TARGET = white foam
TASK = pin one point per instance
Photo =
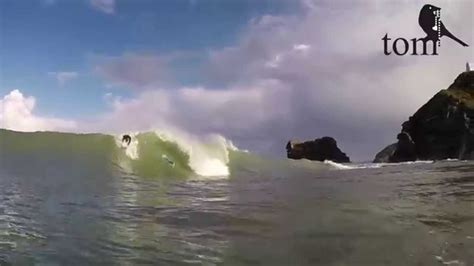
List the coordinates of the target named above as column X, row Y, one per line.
column 451, row 262
column 354, row 166
column 370, row 165
column 338, row 165
column 412, row 162
column 208, row 156
column 378, row 165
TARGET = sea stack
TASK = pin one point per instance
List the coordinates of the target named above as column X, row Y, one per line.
column 321, row 149
column 443, row 128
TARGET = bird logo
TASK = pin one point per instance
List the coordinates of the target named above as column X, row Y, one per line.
column 430, row 22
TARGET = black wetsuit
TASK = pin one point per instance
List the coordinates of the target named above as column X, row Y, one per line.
column 127, row 139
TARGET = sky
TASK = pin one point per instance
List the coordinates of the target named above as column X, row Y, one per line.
column 259, row 72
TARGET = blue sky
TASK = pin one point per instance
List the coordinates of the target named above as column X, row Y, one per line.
column 39, row 37
column 259, row 72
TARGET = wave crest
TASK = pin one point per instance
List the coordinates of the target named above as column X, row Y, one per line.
column 206, row 156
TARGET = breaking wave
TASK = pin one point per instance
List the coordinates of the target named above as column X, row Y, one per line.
column 175, row 152
column 149, row 154
column 163, row 153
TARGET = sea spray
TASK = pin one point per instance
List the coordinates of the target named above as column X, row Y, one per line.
column 55, row 152
column 205, row 156
column 208, row 156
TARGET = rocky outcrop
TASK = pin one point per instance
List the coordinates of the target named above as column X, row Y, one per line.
column 321, row 149
column 442, row 128
column 384, row 155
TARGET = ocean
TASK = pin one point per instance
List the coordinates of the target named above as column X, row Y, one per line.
column 173, row 199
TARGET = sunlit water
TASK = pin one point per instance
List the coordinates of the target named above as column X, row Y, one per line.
column 295, row 214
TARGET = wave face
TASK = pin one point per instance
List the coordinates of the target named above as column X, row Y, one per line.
column 154, row 154
column 64, row 193
column 150, row 154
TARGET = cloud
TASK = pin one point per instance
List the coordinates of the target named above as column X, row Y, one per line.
column 340, row 82
column 195, row 109
column 17, row 114
column 136, row 71
column 63, row 77
column 106, row 6
column 321, row 72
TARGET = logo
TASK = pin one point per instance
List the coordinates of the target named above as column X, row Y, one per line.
column 431, row 23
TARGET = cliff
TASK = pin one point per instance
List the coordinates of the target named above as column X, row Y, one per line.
column 442, row 128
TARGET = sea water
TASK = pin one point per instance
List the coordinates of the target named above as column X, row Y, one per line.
column 70, row 199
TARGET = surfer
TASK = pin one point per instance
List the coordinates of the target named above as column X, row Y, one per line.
column 168, row 160
column 126, row 139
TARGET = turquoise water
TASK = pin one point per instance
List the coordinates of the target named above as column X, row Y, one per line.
column 83, row 200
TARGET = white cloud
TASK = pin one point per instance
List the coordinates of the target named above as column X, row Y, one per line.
column 301, row 47
column 63, row 77
column 200, row 111
column 341, row 84
column 274, row 62
column 318, row 73
column 106, row 6
column 16, row 113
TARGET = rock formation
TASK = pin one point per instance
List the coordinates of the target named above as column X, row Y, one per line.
column 442, row 128
column 384, row 155
column 321, row 149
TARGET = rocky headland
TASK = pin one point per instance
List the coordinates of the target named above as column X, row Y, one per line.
column 443, row 128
